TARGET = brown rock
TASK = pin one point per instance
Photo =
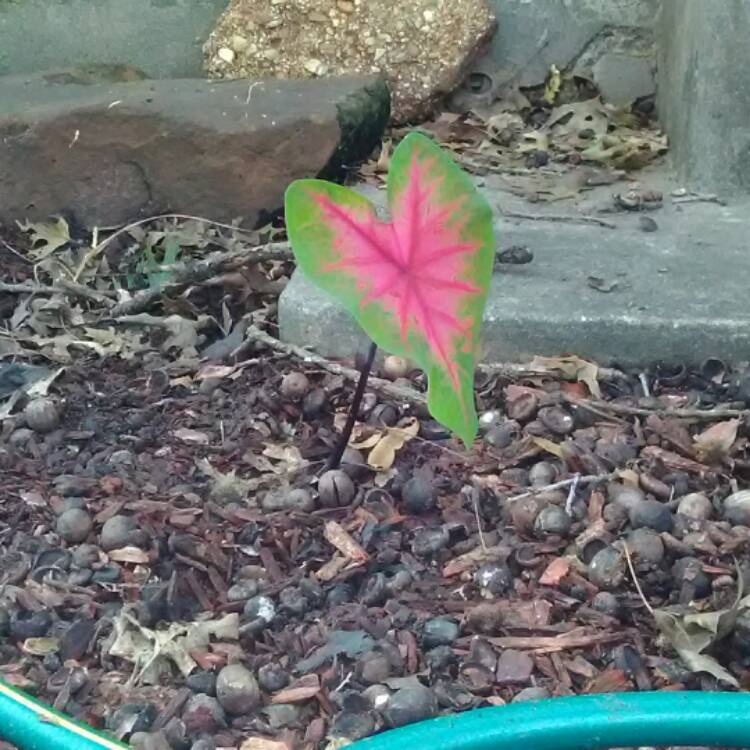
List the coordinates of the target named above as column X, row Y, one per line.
column 423, row 47
column 110, row 153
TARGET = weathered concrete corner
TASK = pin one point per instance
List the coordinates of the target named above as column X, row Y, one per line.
column 704, row 98
column 223, row 150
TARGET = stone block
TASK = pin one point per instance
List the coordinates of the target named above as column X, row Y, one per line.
column 222, row 150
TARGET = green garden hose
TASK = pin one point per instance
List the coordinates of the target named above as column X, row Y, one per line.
column 30, row 725
column 583, row 723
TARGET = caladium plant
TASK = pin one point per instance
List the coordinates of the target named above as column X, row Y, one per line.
column 418, row 284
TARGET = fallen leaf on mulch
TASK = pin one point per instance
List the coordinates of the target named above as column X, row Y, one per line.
column 715, row 443
column 46, row 237
column 384, row 444
column 343, row 541
column 152, row 651
column 572, row 368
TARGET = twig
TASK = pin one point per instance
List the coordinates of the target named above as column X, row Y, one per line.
column 703, row 415
column 185, row 275
column 699, row 198
column 572, row 494
column 98, row 248
column 513, row 371
column 644, row 384
column 391, row 390
column 475, row 503
column 635, row 578
column 559, row 218
column 15, row 252
column 575, row 481
column 62, row 287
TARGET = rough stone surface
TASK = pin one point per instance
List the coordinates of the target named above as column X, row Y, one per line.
column 163, row 37
column 679, row 296
column 534, row 35
column 424, row 49
column 704, row 99
column 111, row 153
column 622, row 78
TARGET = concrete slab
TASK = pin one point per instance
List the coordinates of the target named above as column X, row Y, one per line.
column 534, row 34
column 680, row 293
column 704, row 99
column 162, row 37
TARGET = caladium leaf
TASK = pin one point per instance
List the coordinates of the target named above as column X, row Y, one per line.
column 418, row 284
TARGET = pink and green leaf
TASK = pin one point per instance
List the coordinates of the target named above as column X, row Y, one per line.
column 417, row 285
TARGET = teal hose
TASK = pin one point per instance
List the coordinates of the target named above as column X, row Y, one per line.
column 31, row 725
column 583, row 723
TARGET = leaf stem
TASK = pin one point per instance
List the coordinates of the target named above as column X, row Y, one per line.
column 335, row 459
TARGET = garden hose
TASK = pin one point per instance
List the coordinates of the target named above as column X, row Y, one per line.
column 583, row 722
column 31, row 725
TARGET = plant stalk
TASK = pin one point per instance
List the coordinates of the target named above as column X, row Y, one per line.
column 334, row 460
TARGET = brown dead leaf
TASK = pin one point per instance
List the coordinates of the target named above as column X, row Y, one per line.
column 715, row 443
column 344, row 542
column 391, row 440
column 555, row 572
column 475, row 557
column 303, row 689
column 573, row 368
column 46, row 237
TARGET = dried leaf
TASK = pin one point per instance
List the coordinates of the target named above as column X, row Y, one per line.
column 556, row 449
column 191, row 436
column 715, row 443
column 572, row 368
column 691, row 633
column 475, row 557
column 46, row 237
column 383, row 455
column 152, row 651
column 343, row 541
column 552, row 84
column 40, row 646
column 225, row 488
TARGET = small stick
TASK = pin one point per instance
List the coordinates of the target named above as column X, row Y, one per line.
column 572, row 494
column 514, row 371
column 704, row 415
column 204, row 269
column 644, row 384
column 396, row 392
column 334, row 460
column 475, row 502
column 62, row 287
column 572, row 482
column 559, row 218
column 635, row 578
column 98, row 248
